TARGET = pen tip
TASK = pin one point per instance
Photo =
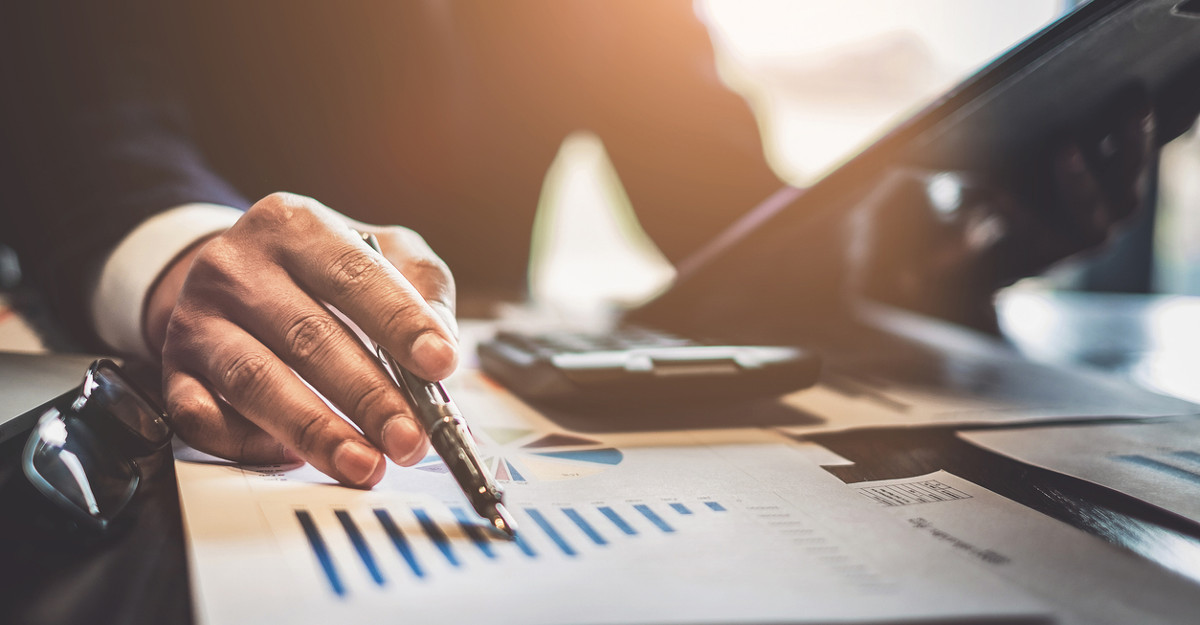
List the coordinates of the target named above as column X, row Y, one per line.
column 504, row 521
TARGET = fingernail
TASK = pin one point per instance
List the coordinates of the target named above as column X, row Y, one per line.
column 434, row 355
column 401, row 440
column 356, row 462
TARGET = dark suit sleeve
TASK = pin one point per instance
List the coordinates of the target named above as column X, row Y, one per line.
column 95, row 141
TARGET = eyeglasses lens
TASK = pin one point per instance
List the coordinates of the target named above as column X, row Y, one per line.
column 80, row 473
column 126, row 405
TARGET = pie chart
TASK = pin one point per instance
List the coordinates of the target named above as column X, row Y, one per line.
column 523, row 455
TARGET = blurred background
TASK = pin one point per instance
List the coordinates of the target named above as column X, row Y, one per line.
column 825, row 79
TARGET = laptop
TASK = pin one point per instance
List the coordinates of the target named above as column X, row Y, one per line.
column 776, row 277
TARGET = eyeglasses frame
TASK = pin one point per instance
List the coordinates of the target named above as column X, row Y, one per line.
column 76, row 408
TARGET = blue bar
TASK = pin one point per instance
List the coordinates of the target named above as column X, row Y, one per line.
column 398, row 539
column 1171, row 470
column 360, row 545
column 585, row 526
column 617, row 520
column 680, row 508
column 602, row 456
column 1190, row 456
column 550, row 531
column 473, row 532
column 322, row 552
column 524, row 546
column 653, row 517
column 436, row 535
column 712, row 505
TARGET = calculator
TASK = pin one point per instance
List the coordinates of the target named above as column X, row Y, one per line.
column 635, row 365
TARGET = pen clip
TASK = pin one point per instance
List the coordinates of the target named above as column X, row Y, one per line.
column 389, row 365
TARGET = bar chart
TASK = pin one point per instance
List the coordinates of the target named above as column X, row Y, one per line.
column 432, row 541
column 614, row 527
column 673, row 533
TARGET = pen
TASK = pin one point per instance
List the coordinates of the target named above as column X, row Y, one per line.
column 449, row 435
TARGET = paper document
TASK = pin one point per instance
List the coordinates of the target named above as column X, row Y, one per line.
column 1155, row 461
column 679, row 527
column 1086, row 579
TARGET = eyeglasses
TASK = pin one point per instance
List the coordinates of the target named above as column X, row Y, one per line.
column 83, row 457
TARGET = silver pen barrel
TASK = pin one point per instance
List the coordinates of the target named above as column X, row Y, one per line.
column 449, row 435
column 453, row 441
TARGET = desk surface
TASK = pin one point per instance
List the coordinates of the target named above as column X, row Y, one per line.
column 139, row 574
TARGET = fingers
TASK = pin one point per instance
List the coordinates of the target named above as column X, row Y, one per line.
column 424, row 270
column 328, row 260
column 384, row 303
column 250, row 331
column 212, row 427
column 326, row 353
column 267, row 393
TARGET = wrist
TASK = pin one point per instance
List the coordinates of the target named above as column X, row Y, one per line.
column 120, row 295
column 164, row 293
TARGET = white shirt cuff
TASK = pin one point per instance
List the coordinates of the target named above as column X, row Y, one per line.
column 135, row 264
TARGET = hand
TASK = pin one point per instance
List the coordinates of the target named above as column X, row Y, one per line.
column 240, row 312
column 941, row 243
